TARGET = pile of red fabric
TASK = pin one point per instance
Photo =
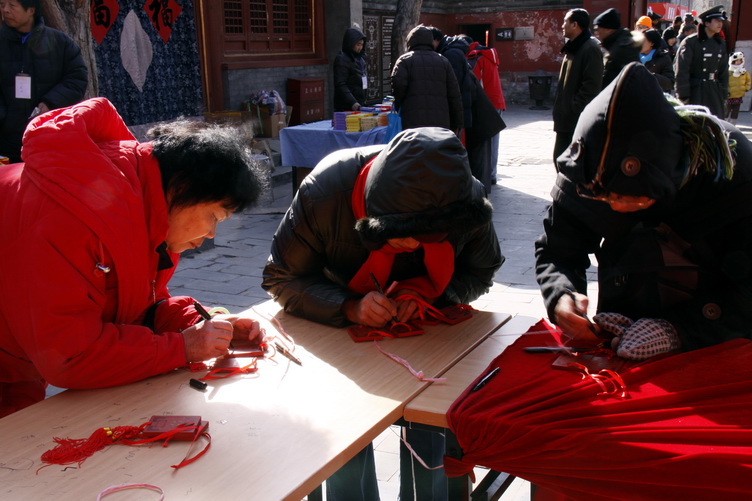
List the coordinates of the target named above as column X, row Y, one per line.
column 683, row 430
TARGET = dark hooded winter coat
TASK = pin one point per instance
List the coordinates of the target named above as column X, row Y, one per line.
column 621, row 49
column 701, row 69
column 456, row 49
column 419, row 184
column 58, row 78
column 425, row 87
column 662, row 67
column 349, row 70
column 686, row 259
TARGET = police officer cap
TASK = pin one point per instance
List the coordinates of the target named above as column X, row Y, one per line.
column 609, row 19
column 717, row 12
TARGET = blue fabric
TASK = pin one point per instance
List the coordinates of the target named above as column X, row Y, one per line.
column 644, row 58
column 305, row 145
column 173, row 82
column 394, row 127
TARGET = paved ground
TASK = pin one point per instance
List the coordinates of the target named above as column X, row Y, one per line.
column 230, row 273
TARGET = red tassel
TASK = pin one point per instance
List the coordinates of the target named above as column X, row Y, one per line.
column 69, row 451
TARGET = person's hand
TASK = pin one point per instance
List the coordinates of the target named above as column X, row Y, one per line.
column 646, row 338
column 207, row 339
column 571, row 317
column 356, row 107
column 43, row 108
column 244, row 328
column 408, row 309
column 373, row 310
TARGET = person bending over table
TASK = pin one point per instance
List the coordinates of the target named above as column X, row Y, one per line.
column 409, row 213
column 661, row 196
column 93, row 224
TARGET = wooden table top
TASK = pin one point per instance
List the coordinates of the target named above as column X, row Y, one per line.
column 276, row 434
column 431, row 405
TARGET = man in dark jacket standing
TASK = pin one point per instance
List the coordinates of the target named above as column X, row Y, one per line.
column 425, row 87
column 580, row 76
column 409, row 214
column 621, row 47
column 41, row 69
column 701, row 64
column 350, row 79
column 661, row 197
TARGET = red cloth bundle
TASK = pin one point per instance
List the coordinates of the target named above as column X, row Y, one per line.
column 683, row 431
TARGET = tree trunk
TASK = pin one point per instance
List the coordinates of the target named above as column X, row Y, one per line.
column 408, row 14
column 72, row 18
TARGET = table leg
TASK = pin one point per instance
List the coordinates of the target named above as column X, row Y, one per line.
column 316, row 495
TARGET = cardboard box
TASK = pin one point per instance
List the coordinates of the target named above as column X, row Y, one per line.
column 266, row 125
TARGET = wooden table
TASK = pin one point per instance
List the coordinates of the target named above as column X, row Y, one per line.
column 429, row 408
column 276, row 435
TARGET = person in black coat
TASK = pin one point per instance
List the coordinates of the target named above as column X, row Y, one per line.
column 409, row 212
column 621, row 46
column 661, row 196
column 425, row 88
column 657, row 60
column 46, row 64
column 350, row 79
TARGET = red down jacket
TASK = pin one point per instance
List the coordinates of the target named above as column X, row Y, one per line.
column 88, row 196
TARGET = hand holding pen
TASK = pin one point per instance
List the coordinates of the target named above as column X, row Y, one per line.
column 380, row 290
column 571, row 316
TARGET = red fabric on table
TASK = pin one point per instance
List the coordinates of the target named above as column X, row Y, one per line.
column 684, row 431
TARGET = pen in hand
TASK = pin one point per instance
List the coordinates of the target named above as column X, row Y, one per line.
column 581, row 313
column 201, row 311
column 381, row 291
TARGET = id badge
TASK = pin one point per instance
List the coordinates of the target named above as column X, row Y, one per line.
column 23, row 86
column 365, row 82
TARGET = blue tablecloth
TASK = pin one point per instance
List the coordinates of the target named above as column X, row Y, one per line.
column 305, row 145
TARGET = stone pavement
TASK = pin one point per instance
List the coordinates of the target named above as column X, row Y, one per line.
column 230, row 273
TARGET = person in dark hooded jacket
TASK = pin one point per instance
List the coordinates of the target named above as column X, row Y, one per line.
column 661, row 197
column 49, row 63
column 657, row 60
column 621, row 46
column 425, row 88
column 350, row 79
column 410, row 213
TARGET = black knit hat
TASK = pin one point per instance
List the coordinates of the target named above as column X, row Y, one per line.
column 653, row 37
column 627, row 140
column 608, row 19
column 421, row 184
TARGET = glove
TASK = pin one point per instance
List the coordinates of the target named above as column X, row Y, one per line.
column 646, row 338
column 613, row 323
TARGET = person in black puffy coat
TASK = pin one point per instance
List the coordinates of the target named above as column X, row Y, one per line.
column 350, row 79
column 50, row 60
column 425, row 88
column 657, row 60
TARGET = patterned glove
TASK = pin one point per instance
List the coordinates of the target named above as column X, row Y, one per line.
column 647, row 338
column 614, row 323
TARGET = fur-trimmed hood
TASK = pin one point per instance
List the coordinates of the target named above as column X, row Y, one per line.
column 421, row 184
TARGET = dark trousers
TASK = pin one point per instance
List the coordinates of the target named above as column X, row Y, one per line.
column 356, row 480
column 563, row 140
column 430, row 485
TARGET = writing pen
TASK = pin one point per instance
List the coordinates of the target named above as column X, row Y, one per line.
column 381, row 291
column 205, row 315
column 480, row 384
column 286, row 353
column 201, row 311
column 581, row 313
column 555, row 349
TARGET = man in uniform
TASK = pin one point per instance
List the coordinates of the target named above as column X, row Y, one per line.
column 701, row 64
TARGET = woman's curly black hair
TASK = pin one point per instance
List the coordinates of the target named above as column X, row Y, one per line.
column 204, row 163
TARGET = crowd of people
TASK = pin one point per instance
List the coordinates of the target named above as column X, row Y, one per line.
column 644, row 182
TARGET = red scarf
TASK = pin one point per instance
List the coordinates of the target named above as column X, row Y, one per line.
column 438, row 258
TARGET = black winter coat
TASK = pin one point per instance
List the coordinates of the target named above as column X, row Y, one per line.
column 316, row 250
column 701, row 69
column 349, row 70
column 662, row 67
column 621, row 49
column 704, row 289
column 58, row 75
column 579, row 82
column 455, row 49
column 425, row 88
